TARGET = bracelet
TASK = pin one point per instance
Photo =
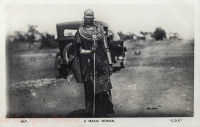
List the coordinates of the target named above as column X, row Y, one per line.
column 85, row 51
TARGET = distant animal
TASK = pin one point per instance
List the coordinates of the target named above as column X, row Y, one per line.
column 137, row 52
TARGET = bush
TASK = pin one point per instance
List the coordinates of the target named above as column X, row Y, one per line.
column 19, row 38
column 159, row 34
column 48, row 41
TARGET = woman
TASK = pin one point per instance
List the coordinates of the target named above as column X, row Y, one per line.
column 83, row 49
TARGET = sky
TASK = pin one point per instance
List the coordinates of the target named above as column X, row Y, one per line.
column 128, row 18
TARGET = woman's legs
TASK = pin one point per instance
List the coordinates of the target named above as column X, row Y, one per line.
column 89, row 93
column 103, row 102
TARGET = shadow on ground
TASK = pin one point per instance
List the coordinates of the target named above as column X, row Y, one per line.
column 116, row 69
column 80, row 113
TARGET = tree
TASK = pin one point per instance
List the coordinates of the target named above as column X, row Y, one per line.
column 19, row 36
column 159, row 34
column 31, row 33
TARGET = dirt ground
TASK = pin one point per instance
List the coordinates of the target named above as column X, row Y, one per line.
column 157, row 83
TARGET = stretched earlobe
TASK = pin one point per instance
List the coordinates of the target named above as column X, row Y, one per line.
column 83, row 20
column 95, row 20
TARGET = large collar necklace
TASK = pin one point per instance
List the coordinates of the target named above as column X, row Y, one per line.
column 87, row 33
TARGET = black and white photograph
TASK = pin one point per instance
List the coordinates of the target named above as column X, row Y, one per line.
column 100, row 63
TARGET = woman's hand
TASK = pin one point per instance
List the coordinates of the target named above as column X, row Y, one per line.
column 111, row 69
column 93, row 49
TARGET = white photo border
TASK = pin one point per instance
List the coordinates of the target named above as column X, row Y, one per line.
column 137, row 122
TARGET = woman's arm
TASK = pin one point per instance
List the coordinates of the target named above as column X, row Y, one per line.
column 79, row 47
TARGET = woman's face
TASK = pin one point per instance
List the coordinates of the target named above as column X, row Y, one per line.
column 88, row 17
